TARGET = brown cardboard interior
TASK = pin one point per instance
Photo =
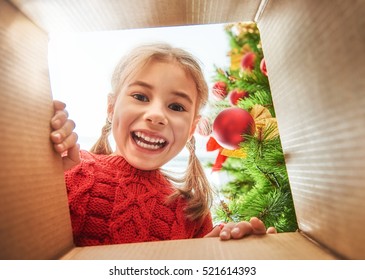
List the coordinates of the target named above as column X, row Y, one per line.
column 96, row 15
column 34, row 220
column 284, row 246
column 313, row 49
column 315, row 59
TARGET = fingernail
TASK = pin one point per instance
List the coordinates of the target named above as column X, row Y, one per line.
column 56, row 136
column 235, row 231
column 224, row 235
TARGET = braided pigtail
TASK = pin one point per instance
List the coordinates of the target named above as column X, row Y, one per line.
column 196, row 187
column 102, row 146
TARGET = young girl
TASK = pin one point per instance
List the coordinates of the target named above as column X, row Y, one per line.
column 122, row 196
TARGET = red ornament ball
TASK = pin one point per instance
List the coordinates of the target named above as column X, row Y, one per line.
column 263, row 66
column 236, row 95
column 230, row 125
column 248, row 61
column 220, row 90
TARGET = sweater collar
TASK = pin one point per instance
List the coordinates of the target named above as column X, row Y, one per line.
column 120, row 162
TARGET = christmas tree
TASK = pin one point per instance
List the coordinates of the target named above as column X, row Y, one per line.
column 242, row 127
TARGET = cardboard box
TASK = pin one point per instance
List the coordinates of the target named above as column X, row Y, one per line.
column 315, row 58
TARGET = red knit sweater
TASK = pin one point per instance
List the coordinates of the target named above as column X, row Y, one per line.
column 112, row 202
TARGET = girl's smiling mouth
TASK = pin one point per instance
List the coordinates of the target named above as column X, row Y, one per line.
column 148, row 141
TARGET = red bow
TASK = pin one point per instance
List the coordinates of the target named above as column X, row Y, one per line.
column 213, row 145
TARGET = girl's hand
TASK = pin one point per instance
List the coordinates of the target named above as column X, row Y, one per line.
column 240, row 230
column 63, row 136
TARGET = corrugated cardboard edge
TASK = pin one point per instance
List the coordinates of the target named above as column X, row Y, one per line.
column 260, row 10
column 284, row 246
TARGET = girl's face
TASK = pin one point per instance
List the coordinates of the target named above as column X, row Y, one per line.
column 154, row 115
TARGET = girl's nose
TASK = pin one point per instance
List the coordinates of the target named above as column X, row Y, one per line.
column 156, row 116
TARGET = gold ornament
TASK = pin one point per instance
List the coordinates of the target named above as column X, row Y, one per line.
column 266, row 125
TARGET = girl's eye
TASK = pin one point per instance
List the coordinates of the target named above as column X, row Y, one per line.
column 177, row 107
column 140, row 97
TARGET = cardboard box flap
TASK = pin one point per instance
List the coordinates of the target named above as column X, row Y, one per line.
column 315, row 58
column 96, row 15
column 34, row 219
column 285, row 246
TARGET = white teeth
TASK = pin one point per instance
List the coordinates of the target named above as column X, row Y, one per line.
column 147, row 146
column 153, row 143
column 149, row 139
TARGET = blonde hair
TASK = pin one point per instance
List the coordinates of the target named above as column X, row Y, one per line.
column 195, row 188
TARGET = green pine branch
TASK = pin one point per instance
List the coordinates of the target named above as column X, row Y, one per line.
column 258, row 184
column 260, row 97
column 269, row 206
column 265, row 160
column 260, row 188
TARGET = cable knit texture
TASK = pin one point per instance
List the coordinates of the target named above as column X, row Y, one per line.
column 111, row 202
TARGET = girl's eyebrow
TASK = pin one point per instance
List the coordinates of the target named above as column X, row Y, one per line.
column 177, row 93
column 140, row 83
